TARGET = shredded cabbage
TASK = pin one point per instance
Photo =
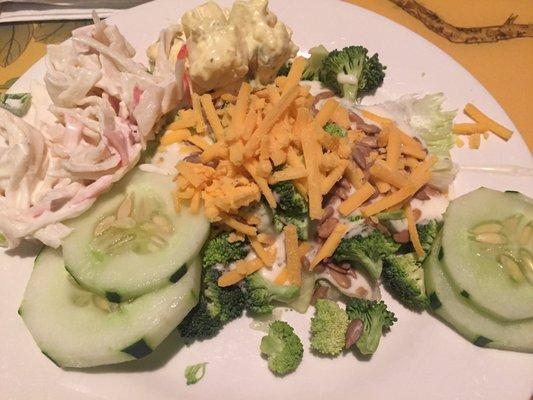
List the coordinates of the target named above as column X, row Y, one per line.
column 425, row 118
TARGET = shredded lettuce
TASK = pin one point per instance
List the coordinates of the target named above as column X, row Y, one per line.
column 425, row 117
column 16, row 103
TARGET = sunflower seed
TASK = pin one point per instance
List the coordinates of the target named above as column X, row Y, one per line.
column 489, row 227
column 353, row 333
column 341, row 279
column 525, row 235
column 124, row 210
column 512, row 268
column 103, row 225
column 491, row 238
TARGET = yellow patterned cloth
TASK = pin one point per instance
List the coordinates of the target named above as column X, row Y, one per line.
column 504, row 68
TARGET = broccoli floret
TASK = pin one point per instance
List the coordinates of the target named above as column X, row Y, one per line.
column 367, row 251
column 375, row 318
column 314, row 63
column 403, row 276
column 335, row 130
column 261, row 294
column 199, row 323
column 290, row 201
column 217, row 305
column 292, row 209
column 301, row 223
column 328, row 327
column 282, row 347
column 225, row 302
column 427, row 234
column 220, row 251
column 351, row 73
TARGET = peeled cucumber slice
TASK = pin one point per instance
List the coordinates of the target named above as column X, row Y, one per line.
column 76, row 328
column 488, row 251
column 456, row 310
column 132, row 241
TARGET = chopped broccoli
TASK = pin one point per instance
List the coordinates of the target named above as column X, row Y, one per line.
column 261, row 294
column 220, row 251
column 217, row 305
column 194, row 373
column 427, row 233
column 314, row 63
column 335, row 130
column 290, row 200
column 16, row 103
column 292, row 209
column 403, row 276
column 282, row 347
column 391, row 215
column 367, row 251
column 328, row 327
column 351, row 73
column 301, row 223
column 375, row 318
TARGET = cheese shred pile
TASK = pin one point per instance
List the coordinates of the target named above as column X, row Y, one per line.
column 241, row 144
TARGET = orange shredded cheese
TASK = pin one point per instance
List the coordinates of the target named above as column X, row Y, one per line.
column 287, row 174
column 468, row 128
column 175, row 136
column 383, row 172
column 312, row 152
column 239, row 226
column 473, row 112
column 294, row 266
column 282, row 277
column 261, row 252
column 474, row 141
column 270, row 119
column 353, row 202
column 304, row 248
column 326, row 112
column 331, row 243
column 199, row 141
column 197, row 109
column 229, row 278
column 394, row 149
column 399, row 196
column 239, row 112
column 413, row 232
column 294, row 75
column 211, row 115
column 376, row 118
column 330, row 180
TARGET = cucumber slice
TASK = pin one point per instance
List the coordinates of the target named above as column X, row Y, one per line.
column 487, row 243
column 132, row 241
column 457, row 311
column 76, row 328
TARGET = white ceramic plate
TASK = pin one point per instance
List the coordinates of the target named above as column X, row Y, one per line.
column 420, row 358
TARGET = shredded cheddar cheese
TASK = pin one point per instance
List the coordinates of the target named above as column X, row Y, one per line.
column 355, row 200
column 259, row 138
column 331, row 243
column 413, row 232
column 473, row 112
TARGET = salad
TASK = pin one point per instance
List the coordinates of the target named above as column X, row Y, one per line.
column 234, row 175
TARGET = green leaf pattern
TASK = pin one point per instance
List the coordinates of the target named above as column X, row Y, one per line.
column 53, row 32
column 14, row 39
